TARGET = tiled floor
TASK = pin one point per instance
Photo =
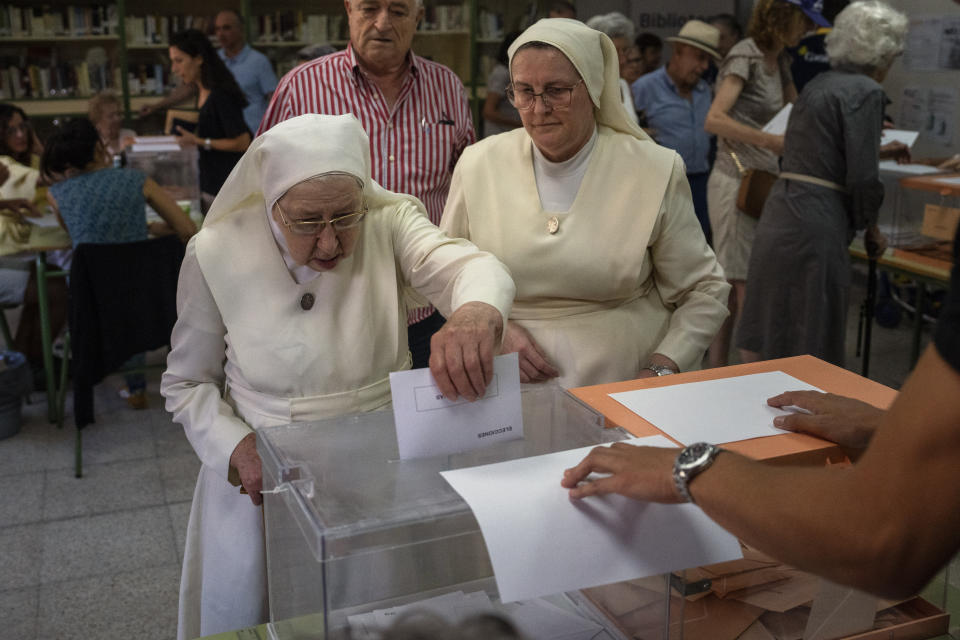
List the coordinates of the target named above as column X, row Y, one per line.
column 96, row 557
column 99, row 557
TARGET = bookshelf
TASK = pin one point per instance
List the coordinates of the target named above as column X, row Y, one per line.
column 55, row 56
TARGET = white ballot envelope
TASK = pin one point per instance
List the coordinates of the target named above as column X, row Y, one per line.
column 898, row 135
column 778, row 123
column 430, row 425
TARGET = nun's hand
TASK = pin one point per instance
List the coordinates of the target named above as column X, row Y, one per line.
column 461, row 353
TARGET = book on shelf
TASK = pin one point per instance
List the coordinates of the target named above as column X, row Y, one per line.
column 19, row 21
column 447, row 17
column 154, row 29
column 295, row 26
column 61, row 80
column 489, row 25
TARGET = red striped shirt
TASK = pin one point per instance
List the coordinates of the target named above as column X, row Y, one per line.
column 413, row 147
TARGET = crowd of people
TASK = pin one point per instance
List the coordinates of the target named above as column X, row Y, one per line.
column 355, row 226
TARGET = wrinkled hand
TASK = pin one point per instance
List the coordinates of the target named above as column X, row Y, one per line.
column 895, row 150
column 875, row 242
column 246, row 461
column 186, row 138
column 461, row 353
column 848, row 422
column 950, row 164
column 641, row 473
column 534, row 366
column 23, row 207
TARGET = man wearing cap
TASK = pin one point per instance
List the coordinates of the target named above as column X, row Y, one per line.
column 676, row 100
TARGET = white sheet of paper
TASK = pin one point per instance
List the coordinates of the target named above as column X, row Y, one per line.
column 541, row 619
column 540, row 542
column 430, row 425
column 912, row 169
column 953, row 180
column 47, row 220
column 716, row 411
column 898, row 135
column 778, row 123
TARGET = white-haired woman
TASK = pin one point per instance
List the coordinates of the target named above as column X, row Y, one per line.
column 621, row 31
column 799, row 270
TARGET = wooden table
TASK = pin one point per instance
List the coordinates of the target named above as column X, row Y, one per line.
column 923, row 270
column 788, row 448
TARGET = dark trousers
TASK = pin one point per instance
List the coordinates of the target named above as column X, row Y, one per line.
column 698, row 187
column 419, row 334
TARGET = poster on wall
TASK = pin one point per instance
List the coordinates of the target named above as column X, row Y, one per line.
column 931, row 111
column 933, row 43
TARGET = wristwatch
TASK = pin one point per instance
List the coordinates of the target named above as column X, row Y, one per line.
column 660, row 369
column 206, row 144
column 691, row 461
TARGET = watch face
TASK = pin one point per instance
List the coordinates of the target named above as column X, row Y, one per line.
column 693, row 454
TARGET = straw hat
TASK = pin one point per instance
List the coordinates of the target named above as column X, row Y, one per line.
column 701, row 35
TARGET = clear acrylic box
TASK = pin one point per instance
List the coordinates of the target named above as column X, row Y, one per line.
column 351, row 529
column 173, row 168
column 919, row 213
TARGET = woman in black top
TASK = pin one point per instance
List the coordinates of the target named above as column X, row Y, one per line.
column 221, row 134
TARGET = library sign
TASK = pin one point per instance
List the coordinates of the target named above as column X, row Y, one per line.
column 666, row 17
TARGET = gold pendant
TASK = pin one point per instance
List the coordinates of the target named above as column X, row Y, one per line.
column 553, row 224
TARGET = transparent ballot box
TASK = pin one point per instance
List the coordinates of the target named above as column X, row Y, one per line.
column 174, row 169
column 920, row 212
column 352, row 532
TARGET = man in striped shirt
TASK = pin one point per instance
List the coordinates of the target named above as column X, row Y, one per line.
column 414, row 110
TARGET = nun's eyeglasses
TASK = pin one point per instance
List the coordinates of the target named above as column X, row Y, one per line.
column 556, row 98
column 340, row 222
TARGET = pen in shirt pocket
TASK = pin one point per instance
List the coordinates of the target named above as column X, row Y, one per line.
column 444, row 120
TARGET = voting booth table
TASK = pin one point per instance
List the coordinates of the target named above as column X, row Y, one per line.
column 355, row 536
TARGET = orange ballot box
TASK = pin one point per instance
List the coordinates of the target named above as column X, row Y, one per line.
column 793, row 448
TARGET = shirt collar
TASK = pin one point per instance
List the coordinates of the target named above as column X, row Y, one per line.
column 244, row 51
column 412, row 62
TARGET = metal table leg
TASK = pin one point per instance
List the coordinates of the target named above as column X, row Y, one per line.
column 45, row 337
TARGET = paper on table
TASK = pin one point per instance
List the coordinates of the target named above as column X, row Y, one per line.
column 717, row 411
column 48, row 220
column 898, row 135
column 155, row 148
column 540, row 542
column 778, row 123
column 430, row 425
column 913, row 169
column 953, row 180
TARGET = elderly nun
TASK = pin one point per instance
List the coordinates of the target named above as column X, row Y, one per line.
column 798, row 287
column 595, row 221
column 292, row 307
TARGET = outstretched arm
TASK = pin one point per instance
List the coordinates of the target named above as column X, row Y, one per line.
column 886, row 525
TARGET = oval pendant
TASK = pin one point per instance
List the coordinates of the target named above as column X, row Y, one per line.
column 306, row 302
column 553, row 224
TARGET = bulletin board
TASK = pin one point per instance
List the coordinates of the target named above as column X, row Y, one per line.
column 924, row 83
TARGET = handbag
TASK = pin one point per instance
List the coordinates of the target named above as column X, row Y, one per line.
column 755, row 185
